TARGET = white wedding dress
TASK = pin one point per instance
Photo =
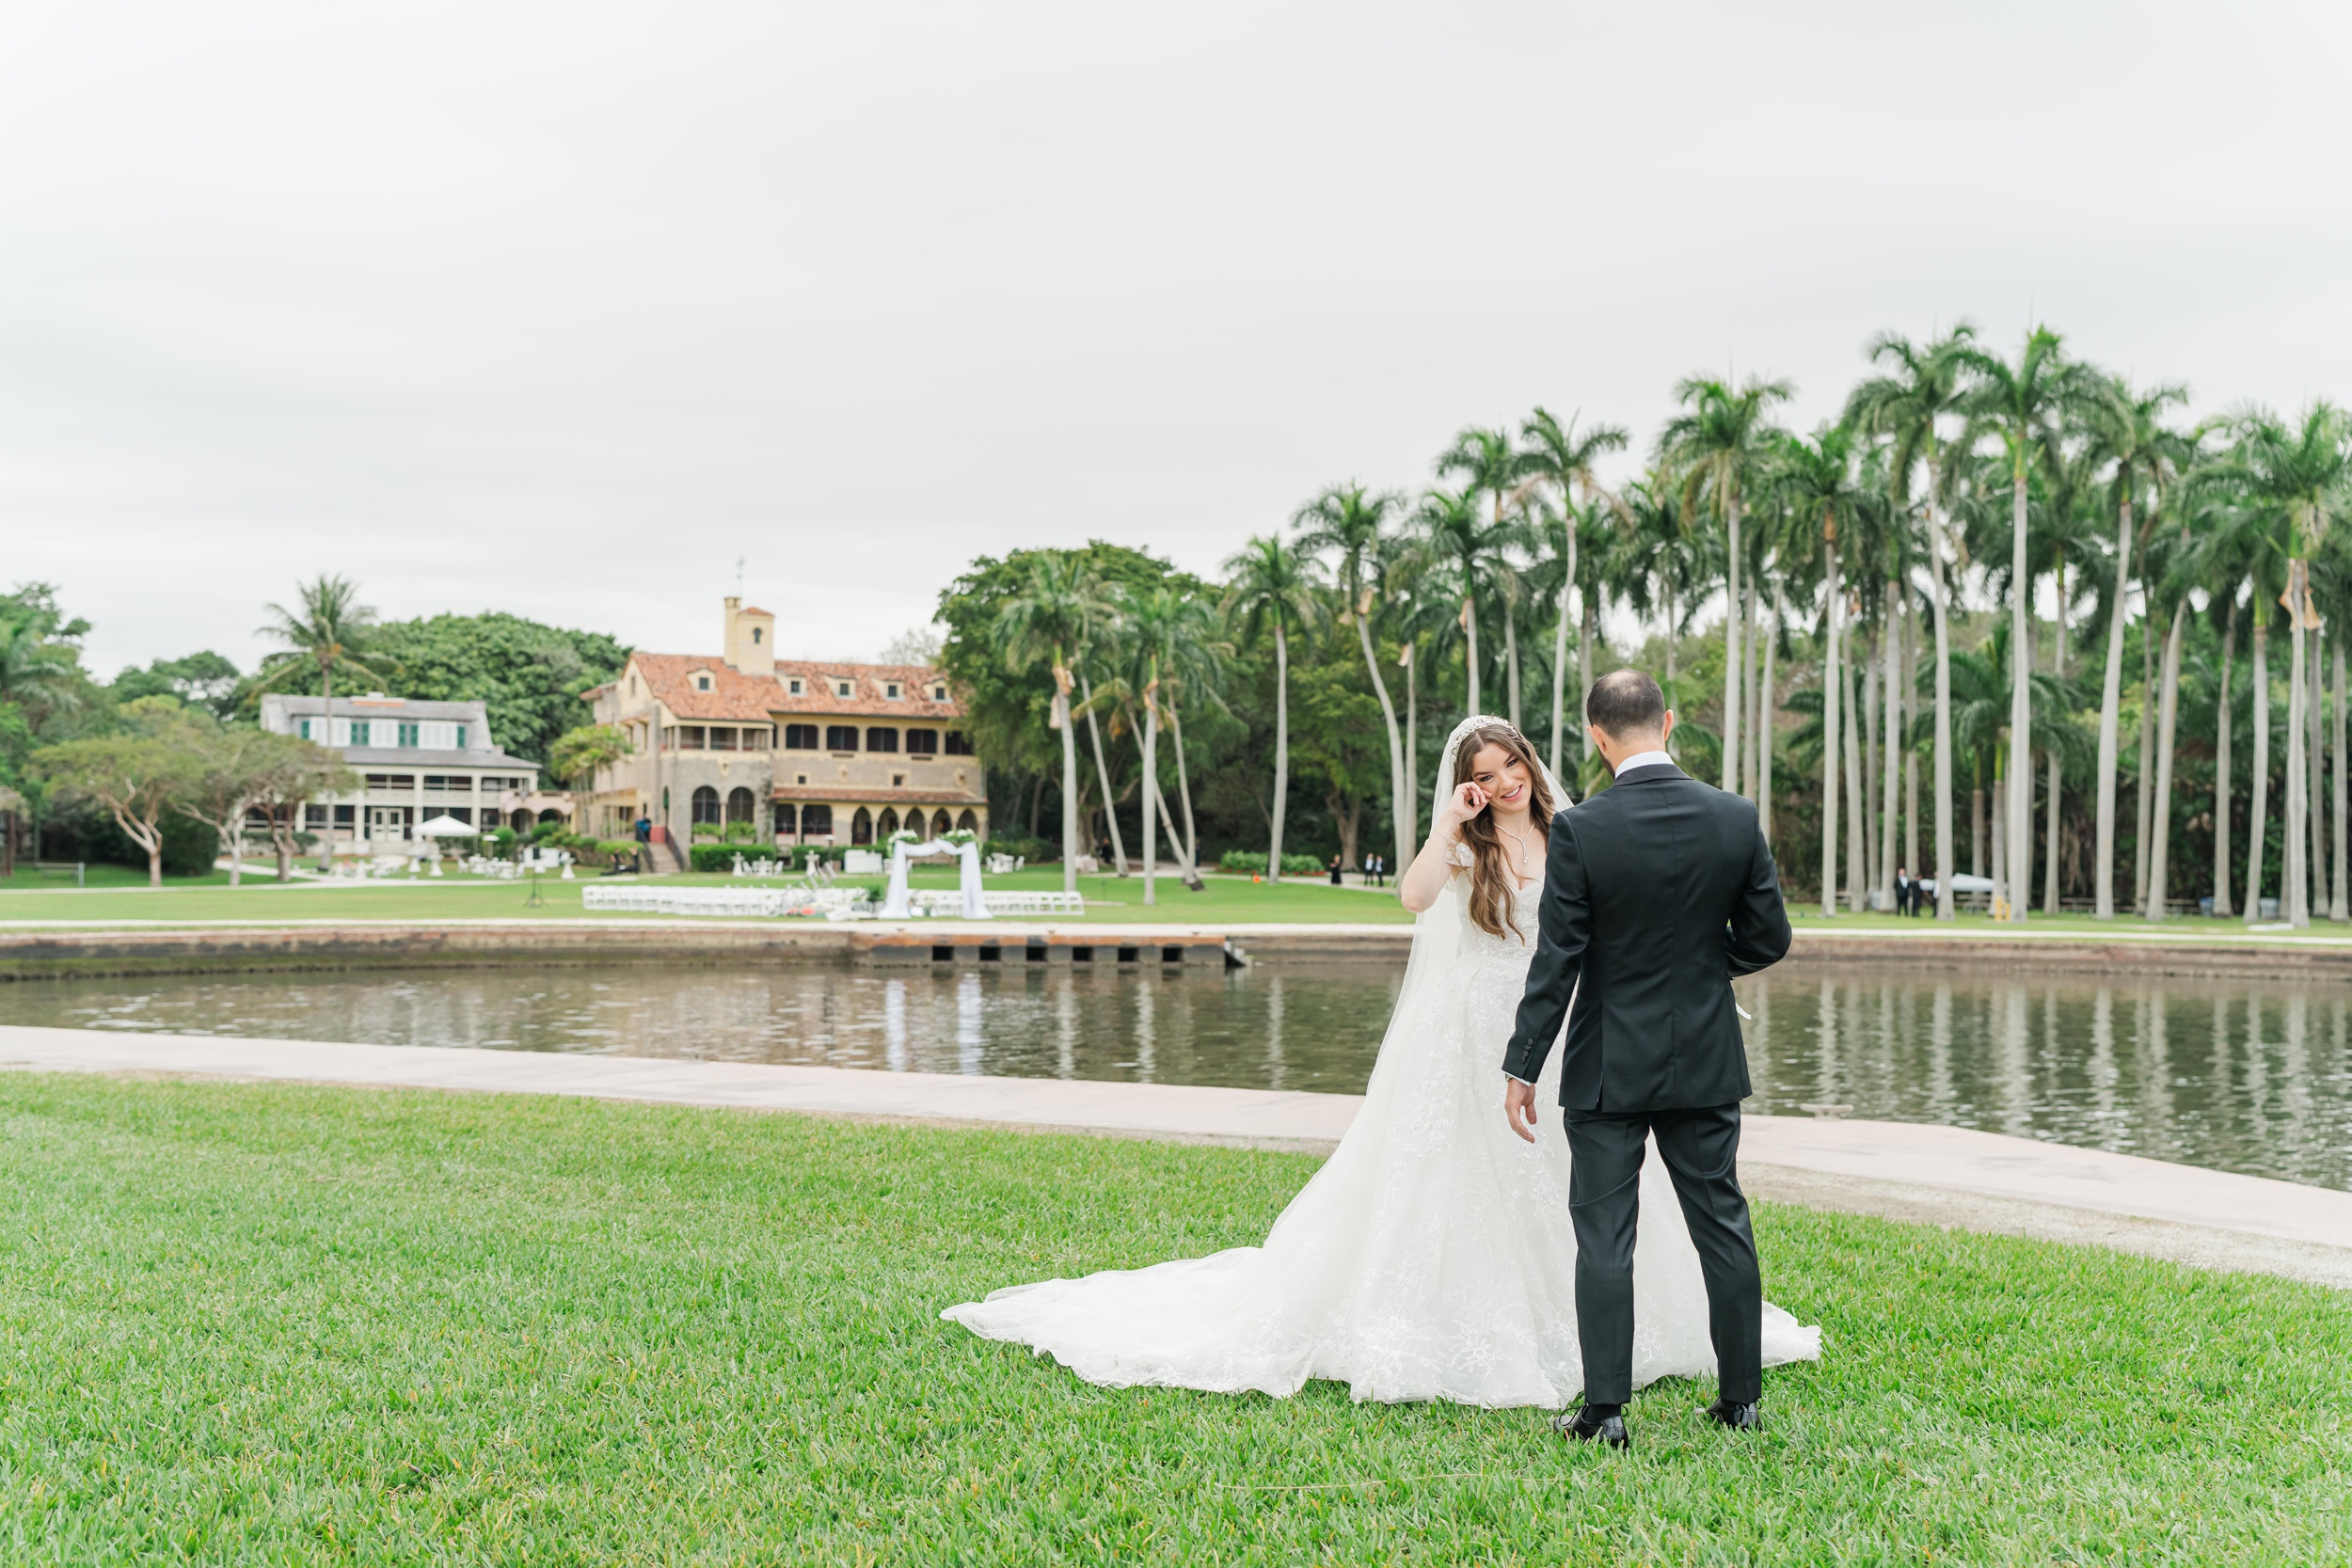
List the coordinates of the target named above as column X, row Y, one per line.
column 1432, row 1257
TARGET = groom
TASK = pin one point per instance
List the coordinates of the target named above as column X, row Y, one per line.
column 1658, row 891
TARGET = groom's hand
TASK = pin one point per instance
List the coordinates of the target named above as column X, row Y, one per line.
column 1518, row 1109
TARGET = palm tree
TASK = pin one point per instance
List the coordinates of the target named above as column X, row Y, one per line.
column 1816, row 478
column 1489, row 466
column 330, row 631
column 1723, row 443
column 1454, row 535
column 2125, row 428
column 1060, row 605
column 1269, row 584
column 36, row 671
column 1558, row 455
column 1662, row 566
column 1909, row 405
column 1177, row 654
column 2023, row 404
column 2303, row 474
column 1355, row 524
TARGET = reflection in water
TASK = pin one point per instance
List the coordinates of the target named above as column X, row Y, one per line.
column 2251, row 1076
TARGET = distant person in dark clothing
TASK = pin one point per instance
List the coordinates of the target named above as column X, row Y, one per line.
column 1906, row 890
column 644, row 829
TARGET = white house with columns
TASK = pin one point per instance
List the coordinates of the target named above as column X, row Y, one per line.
column 416, row 761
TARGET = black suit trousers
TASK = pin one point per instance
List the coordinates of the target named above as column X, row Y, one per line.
column 1701, row 1149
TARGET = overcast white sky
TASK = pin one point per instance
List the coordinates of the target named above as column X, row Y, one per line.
column 561, row 308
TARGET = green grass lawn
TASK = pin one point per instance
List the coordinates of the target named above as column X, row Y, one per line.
column 241, row 1324
column 195, row 901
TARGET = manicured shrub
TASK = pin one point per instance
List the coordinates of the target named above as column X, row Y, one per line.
column 1252, row 861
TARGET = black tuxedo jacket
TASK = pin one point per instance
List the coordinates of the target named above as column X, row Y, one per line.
column 1658, row 890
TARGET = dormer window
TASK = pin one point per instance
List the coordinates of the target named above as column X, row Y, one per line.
column 793, row 686
column 702, row 683
column 892, row 689
column 841, row 688
column 939, row 694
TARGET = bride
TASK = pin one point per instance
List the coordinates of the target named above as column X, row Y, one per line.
column 1432, row 1256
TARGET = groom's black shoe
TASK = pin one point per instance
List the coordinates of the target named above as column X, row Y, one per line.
column 1583, row 1426
column 1739, row 1418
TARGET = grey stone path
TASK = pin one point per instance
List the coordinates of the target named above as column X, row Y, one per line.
column 1937, row 1175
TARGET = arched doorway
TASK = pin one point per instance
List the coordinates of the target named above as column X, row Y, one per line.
column 862, row 827
column 967, row 823
column 889, row 823
column 941, row 827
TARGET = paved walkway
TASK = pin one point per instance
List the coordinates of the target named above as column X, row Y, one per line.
column 1937, row 1175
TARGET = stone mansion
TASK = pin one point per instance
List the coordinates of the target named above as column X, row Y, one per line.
column 808, row 753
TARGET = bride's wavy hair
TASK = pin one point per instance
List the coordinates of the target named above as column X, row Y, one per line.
column 1490, row 873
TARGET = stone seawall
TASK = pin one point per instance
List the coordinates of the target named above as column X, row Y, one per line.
column 58, row 954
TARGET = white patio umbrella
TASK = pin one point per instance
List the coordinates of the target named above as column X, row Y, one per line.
column 444, row 826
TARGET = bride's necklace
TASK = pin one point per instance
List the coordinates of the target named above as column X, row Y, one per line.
column 1525, row 853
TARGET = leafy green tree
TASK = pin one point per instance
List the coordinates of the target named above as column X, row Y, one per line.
column 1456, row 539
column 1723, row 443
column 579, row 754
column 229, row 768
column 136, row 774
column 200, row 679
column 529, row 677
column 1270, row 585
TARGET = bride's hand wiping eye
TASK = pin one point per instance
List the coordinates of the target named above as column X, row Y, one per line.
column 1465, row 801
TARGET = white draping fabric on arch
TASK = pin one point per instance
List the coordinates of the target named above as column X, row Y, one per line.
column 894, row 905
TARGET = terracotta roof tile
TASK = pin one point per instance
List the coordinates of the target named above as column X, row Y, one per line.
column 755, row 698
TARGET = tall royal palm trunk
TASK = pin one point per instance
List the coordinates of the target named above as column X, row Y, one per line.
column 1764, row 706
column 1832, row 703
column 1102, row 774
column 1400, row 815
column 1858, row 805
column 2000, row 824
column 1063, row 721
column 1469, row 656
column 1583, row 669
column 1510, row 663
column 2296, row 894
column 2316, row 760
column 2338, row 895
column 1946, row 865
column 1731, row 646
column 1866, row 731
column 1183, row 794
column 2159, row 851
column 359, row 814
column 2110, row 719
column 2018, row 821
column 1910, row 753
column 1281, row 750
column 1151, row 794
column 2144, row 782
column 1559, row 664
column 2056, row 765
column 2222, row 801
column 2258, row 818
column 1752, row 700
column 1891, row 643
column 1410, row 806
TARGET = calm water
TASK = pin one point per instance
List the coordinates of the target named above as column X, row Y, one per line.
column 2250, row 1076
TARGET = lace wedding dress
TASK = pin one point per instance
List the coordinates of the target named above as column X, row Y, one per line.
column 1432, row 1257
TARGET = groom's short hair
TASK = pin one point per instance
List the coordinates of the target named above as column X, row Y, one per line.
column 1626, row 701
